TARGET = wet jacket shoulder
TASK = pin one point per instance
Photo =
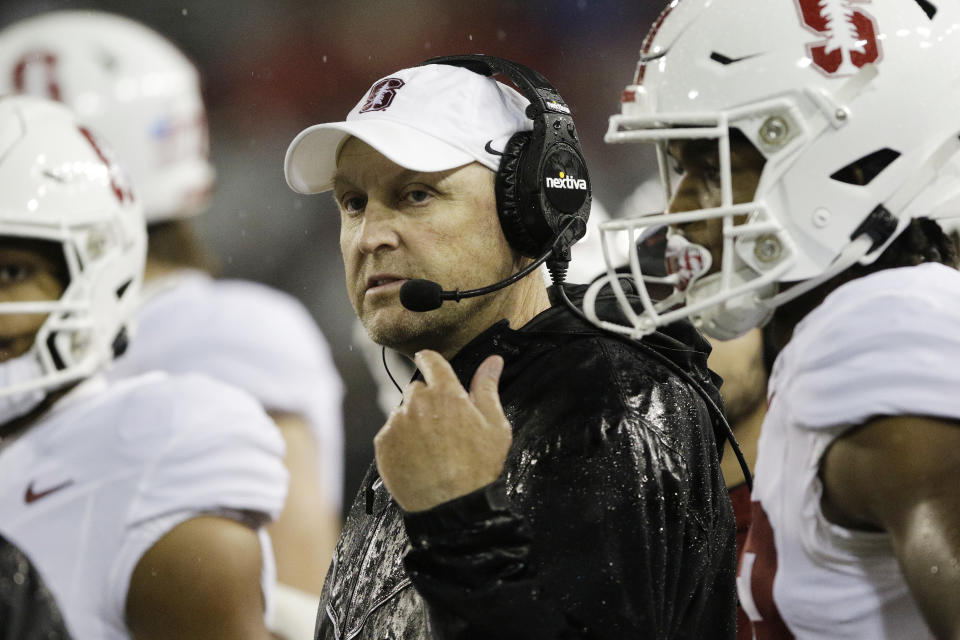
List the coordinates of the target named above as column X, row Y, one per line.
column 27, row 609
column 610, row 520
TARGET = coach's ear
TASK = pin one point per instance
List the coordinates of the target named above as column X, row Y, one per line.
column 200, row 581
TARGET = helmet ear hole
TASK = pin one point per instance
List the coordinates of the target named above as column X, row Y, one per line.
column 120, row 343
column 862, row 171
column 123, row 288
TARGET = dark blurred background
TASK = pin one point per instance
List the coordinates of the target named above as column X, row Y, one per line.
column 273, row 67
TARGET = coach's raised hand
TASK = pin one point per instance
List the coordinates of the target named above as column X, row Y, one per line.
column 442, row 442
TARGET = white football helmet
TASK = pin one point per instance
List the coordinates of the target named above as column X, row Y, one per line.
column 60, row 186
column 130, row 85
column 816, row 86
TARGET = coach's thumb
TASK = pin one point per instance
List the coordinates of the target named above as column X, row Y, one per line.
column 484, row 388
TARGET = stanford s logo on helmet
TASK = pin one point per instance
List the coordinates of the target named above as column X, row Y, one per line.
column 382, row 95
column 850, row 35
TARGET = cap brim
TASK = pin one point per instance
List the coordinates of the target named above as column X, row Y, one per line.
column 311, row 159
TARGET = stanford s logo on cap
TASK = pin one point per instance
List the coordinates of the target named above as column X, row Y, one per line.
column 850, row 35
column 381, row 95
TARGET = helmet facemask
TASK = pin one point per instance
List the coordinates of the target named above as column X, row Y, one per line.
column 81, row 330
column 711, row 281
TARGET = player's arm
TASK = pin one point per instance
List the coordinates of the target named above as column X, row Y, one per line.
column 900, row 474
column 306, row 532
column 199, row 581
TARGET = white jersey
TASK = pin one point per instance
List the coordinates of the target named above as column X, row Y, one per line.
column 252, row 337
column 111, row 468
column 885, row 344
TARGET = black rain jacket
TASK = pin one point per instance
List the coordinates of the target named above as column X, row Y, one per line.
column 27, row 609
column 610, row 521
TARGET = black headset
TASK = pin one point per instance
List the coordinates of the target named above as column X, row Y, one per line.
column 542, row 186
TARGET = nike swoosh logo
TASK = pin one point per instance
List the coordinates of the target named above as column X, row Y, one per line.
column 489, row 149
column 33, row 496
column 725, row 60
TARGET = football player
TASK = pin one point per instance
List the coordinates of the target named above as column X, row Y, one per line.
column 142, row 501
column 812, row 143
column 142, row 94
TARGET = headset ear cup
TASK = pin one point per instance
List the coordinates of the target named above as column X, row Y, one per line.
column 510, row 199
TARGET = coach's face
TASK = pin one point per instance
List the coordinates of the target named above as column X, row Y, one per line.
column 397, row 224
column 30, row 271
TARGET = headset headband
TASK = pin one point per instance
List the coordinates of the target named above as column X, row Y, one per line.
column 542, row 95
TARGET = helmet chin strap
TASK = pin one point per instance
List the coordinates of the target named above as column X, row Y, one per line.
column 15, row 374
column 851, row 255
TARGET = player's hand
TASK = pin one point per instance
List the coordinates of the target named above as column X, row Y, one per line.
column 443, row 443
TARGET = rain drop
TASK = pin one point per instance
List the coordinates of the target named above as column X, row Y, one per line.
column 183, row 11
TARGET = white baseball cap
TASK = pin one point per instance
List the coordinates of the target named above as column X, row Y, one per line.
column 429, row 118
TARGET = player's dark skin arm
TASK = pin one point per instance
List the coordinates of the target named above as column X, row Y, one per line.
column 900, row 475
column 199, row 581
